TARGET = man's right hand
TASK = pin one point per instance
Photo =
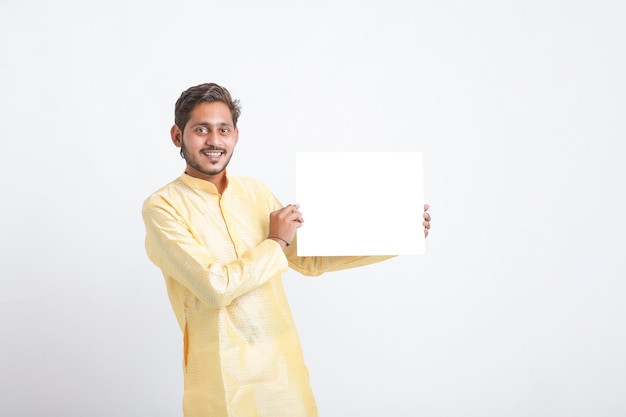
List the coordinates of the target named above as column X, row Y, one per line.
column 284, row 223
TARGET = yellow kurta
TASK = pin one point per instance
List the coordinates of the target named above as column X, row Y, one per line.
column 242, row 355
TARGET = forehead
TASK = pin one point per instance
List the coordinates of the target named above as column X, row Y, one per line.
column 214, row 112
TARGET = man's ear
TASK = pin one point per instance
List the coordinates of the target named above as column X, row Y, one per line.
column 177, row 136
column 236, row 135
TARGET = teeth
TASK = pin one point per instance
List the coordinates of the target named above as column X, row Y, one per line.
column 212, row 153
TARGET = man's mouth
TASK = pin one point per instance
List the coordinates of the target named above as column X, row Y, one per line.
column 213, row 153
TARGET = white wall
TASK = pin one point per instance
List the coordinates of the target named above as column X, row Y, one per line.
column 517, row 309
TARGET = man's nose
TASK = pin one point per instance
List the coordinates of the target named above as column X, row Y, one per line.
column 212, row 138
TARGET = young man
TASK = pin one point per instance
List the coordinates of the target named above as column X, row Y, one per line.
column 222, row 243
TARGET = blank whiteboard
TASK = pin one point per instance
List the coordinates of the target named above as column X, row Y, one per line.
column 360, row 203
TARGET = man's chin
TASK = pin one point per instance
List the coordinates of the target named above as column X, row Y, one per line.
column 211, row 171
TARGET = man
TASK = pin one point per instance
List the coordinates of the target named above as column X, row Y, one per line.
column 222, row 243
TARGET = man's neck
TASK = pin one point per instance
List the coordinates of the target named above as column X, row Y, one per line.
column 219, row 180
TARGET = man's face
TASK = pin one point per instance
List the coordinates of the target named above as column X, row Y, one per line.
column 208, row 140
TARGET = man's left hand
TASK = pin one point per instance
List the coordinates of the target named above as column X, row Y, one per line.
column 426, row 220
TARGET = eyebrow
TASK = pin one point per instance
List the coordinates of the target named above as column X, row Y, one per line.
column 207, row 124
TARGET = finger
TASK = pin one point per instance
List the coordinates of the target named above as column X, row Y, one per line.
column 426, row 207
column 297, row 217
column 427, row 217
column 291, row 208
column 426, row 225
column 287, row 211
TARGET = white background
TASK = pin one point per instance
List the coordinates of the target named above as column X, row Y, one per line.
column 517, row 308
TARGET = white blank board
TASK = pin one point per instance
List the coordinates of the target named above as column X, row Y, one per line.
column 360, row 203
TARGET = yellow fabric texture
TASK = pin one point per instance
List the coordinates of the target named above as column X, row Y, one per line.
column 242, row 355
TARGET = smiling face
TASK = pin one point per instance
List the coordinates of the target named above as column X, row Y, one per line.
column 207, row 142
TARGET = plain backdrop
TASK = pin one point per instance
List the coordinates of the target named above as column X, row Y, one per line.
column 516, row 309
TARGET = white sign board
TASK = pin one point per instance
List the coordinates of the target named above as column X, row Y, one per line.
column 360, row 203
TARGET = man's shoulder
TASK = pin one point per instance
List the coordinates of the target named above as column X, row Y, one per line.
column 172, row 186
column 247, row 183
column 165, row 192
column 241, row 187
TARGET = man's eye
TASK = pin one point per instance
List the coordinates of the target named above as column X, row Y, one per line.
column 202, row 130
column 224, row 130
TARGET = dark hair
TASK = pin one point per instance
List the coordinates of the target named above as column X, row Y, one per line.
column 208, row 92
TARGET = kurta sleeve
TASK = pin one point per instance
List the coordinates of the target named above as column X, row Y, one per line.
column 317, row 265
column 171, row 246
